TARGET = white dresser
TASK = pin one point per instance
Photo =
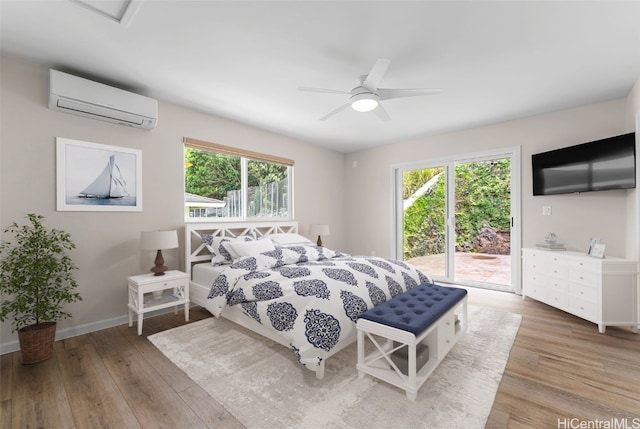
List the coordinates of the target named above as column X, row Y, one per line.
column 602, row 291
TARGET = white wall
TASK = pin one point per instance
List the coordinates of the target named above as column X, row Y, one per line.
column 633, row 212
column 107, row 248
column 575, row 218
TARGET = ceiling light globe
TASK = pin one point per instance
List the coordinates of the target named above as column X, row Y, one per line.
column 364, row 102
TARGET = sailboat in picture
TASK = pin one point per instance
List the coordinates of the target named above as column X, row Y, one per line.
column 109, row 184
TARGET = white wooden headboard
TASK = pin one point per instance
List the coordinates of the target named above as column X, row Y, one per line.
column 195, row 250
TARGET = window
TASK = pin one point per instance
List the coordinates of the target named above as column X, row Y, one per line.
column 222, row 182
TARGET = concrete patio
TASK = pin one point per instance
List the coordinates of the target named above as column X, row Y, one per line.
column 479, row 267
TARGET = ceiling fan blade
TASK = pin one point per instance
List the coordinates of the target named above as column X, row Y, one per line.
column 324, row 90
column 334, row 111
column 375, row 75
column 382, row 113
column 386, row 94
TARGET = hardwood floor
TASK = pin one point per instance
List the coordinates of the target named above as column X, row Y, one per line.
column 560, row 368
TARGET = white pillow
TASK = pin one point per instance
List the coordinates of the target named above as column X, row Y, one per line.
column 250, row 248
column 219, row 247
column 289, row 239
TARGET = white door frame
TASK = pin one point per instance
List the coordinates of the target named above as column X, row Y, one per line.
column 514, row 153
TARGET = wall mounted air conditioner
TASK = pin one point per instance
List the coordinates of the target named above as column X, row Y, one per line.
column 79, row 96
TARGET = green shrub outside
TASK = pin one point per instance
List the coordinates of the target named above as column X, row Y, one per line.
column 483, row 199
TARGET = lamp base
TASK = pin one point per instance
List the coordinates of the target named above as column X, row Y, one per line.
column 319, row 242
column 160, row 267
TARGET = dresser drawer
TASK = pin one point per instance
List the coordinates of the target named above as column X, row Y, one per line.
column 558, row 270
column 558, row 286
column 588, row 264
column 535, row 261
column 558, row 298
column 584, row 291
column 583, row 308
column 583, row 276
column 535, row 286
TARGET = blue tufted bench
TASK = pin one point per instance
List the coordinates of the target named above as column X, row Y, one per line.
column 411, row 333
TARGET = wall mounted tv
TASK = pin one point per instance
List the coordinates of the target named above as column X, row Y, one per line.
column 595, row 166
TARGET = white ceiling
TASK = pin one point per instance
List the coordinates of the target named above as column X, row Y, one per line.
column 243, row 60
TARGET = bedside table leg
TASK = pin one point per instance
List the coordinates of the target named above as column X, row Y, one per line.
column 140, row 323
column 130, row 318
column 186, row 311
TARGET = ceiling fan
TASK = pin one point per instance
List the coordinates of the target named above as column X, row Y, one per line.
column 367, row 96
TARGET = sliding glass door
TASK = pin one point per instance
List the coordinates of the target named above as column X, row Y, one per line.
column 456, row 218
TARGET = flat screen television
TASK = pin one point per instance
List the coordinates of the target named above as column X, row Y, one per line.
column 595, row 166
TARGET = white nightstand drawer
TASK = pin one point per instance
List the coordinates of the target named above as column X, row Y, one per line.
column 168, row 284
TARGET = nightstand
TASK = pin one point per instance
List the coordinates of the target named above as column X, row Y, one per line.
column 148, row 292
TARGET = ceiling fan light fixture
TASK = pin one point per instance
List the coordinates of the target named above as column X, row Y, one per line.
column 364, row 102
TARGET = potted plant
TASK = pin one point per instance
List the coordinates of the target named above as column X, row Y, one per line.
column 36, row 282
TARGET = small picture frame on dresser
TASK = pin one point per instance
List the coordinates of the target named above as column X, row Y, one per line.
column 592, row 242
column 597, row 250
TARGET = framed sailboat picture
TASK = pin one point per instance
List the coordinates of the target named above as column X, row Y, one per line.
column 97, row 177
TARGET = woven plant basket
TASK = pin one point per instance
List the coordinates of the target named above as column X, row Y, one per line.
column 36, row 342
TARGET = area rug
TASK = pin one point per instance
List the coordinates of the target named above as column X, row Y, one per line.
column 262, row 385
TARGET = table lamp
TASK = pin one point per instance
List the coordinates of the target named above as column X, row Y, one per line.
column 319, row 229
column 158, row 240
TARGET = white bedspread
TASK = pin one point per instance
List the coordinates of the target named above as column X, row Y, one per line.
column 310, row 295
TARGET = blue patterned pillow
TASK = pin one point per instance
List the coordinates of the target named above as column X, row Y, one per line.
column 221, row 253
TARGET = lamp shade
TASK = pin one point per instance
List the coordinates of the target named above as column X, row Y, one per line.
column 319, row 229
column 157, row 240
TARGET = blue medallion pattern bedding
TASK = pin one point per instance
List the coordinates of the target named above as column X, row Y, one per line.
column 310, row 295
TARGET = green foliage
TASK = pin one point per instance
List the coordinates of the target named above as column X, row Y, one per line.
column 210, row 174
column 424, row 222
column 414, row 179
column 482, row 199
column 36, row 274
column 260, row 173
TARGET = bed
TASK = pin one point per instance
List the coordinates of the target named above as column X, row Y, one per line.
column 269, row 279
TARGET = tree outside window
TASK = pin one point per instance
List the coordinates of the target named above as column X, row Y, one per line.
column 221, row 185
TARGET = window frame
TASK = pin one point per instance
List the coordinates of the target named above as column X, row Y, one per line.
column 245, row 156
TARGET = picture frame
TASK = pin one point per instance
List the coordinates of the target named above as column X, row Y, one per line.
column 97, row 177
column 597, row 251
column 592, row 242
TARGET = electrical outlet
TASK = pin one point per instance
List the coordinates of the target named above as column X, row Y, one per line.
column 546, row 210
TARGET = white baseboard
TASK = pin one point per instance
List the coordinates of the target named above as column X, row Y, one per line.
column 73, row 331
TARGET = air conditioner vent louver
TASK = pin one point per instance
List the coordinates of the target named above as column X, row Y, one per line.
column 79, row 96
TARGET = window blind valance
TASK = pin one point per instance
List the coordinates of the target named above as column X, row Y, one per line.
column 228, row 150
